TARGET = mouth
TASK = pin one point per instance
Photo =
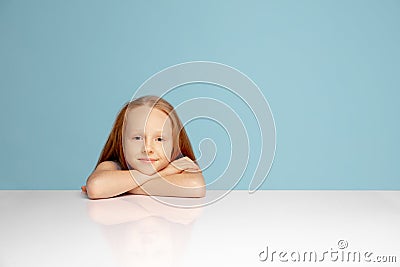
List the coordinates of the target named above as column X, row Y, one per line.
column 147, row 160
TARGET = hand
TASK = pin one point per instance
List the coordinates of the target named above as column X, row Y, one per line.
column 83, row 188
column 179, row 166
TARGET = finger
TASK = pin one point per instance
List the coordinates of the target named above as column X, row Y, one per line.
column 191, row 164
column 184, row 159
column 185, row 163
column 183, row 166
column 179, row 165
column 193, row 170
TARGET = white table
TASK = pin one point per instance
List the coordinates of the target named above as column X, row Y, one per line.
column 64, row 228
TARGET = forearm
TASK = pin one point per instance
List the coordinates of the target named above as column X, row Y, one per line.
column 105, row 184
column 176, row 185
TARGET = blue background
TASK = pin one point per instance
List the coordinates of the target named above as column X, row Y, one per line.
column 330, row 71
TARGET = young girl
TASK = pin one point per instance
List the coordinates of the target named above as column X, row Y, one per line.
column 148, row 152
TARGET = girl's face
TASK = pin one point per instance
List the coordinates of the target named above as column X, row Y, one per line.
column 147, row 139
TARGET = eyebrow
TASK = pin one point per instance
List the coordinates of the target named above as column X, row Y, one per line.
column 141, row 131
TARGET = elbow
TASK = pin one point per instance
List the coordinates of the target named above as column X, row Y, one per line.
column 200, row 192
column 198, row 188
column 93, row 188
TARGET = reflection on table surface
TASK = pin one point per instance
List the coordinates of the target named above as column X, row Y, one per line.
column 142, row 231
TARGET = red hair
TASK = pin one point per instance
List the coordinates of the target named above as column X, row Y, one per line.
column 113, row 150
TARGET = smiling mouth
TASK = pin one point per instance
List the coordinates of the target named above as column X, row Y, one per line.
column 148, row 160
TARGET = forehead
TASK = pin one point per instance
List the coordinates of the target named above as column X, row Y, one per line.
column 154, row 120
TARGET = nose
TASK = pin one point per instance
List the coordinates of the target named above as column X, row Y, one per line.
column 148, row 146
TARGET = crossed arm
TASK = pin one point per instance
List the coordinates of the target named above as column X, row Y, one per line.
column 181, row 178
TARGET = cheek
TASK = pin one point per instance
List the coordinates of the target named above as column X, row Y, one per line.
column 130, row 149
column 167, row 150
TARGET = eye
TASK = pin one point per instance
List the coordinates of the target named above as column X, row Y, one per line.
column 160, row 139
column 137, row 138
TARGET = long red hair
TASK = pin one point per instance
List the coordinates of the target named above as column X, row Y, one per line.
column 113, row 150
